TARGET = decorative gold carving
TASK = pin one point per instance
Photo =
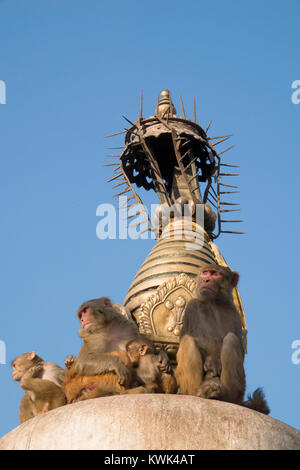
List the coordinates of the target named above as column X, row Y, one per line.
column 161, row 315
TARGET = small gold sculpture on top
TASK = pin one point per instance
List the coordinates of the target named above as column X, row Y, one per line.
column 165, row 107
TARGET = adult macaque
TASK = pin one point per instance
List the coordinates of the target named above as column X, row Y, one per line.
column 152, row 368
column 102, row 366
column 211, row 354
column 103, row 330
column 42, row 383
column 84, row 387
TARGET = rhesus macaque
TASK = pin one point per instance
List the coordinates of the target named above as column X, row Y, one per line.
column 102, row 366
column 211, row 355
column 153, row 368
column 42, row 383
column 103, row 330
column 83, row 387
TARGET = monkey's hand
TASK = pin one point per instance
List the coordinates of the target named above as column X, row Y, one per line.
column 164, row 363
column 212, row 366
column 69, row 361
column 32, row 373
column 103, row 363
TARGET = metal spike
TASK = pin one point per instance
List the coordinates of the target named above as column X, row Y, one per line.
column 219, row 137
column 212, row 203
column 215, row 199
column 131, row 131
column 111, row 164
column 220, row 141
column 137, row 224
column 226, row 150
column 229, row 174
column 115, row 177
column 163, row 122
column 182, row 108
column 119, row 184
column 132, row 205
column 144, row 231
column 122, row 192
column 184, row 155
column 230, row 203
column 230, row 210
column 141, row 105
column 224, row 221
column 191, row 162
column 208, row 127
column 184, row 143
column 116, row 133
column 229, row 192
column 132, row 216
column 193, row 177
column 112, row 148
column 128, row 120
column 228, row 185
column 232, row 166
column 212, row 188
column 113, row 156
column 229, row 231
column 128, row 199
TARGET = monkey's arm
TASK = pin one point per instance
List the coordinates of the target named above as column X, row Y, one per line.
column 100, row 363
column 26, row 409
column 40, row 387
column 191, row 319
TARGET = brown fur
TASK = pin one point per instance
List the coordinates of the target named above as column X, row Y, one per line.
column 211, row 355
column 79, row 387
column 152, row 368
column 42, row 383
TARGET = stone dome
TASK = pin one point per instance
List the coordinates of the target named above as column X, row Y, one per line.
column 152, row 422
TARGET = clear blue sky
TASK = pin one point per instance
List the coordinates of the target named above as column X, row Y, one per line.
column 72, row 68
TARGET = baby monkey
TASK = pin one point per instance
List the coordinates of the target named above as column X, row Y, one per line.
column 153, row 369
column 42, row 383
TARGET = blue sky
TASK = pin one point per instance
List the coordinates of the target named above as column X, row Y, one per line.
column 71, row 69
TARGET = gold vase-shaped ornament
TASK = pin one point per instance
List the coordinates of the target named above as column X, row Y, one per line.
column 174, row 157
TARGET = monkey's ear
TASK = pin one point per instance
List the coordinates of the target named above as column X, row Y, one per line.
column 107, row 302
column 234, row 279
column 31, row 355
column 143, row 349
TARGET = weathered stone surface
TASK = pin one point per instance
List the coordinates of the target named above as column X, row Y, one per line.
column 152, row 422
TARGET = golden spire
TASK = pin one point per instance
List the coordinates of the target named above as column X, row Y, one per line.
column 165, row 107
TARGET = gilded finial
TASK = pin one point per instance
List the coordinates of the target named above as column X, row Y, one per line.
column 165, row 107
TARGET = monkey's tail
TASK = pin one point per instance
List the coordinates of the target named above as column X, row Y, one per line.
column 257, row 401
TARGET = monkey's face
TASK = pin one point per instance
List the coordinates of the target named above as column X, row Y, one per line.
column 209, row 283
column 86, row 317
column 92, row 314
column 19, row 370
column 216, row 283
